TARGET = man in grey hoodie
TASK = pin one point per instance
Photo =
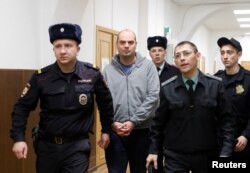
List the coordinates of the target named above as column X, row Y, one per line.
column 134, row 84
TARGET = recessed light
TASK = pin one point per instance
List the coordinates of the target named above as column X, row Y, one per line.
column 243, row 19
column 245, row 25
column 241, row 11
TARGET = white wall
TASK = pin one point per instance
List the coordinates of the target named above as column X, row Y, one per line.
column 25, row 42
column 24, row 32
column 19, row 43
column 201, row 39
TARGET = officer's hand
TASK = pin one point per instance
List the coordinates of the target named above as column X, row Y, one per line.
column 20, row 149
column 152, row 158
column 104, row 141
column 241, row 144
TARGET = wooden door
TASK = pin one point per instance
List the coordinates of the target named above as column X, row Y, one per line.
column 245, row 64
column 105, row 49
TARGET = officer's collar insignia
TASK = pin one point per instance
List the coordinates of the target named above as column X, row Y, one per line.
column 85, row 81
column 239, row 89
column 25, row 90
column 83, row 99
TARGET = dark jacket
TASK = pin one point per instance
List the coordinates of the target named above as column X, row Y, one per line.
column 66, row 102
column 168, row 71
column 188, row 129
column 238, row 90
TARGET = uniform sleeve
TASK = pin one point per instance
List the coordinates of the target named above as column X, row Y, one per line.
column 227, row 123
column 157, row 128
column 105, row 103
column 246, row 132
column 26, row 102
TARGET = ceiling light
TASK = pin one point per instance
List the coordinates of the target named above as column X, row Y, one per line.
column 245, row 25
column 241, row 11
column 243, row 19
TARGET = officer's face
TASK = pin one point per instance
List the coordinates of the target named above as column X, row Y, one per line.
column 186, row 59
column 126, row 44
column 66, row 51
column 229, row 56
column 157, row 54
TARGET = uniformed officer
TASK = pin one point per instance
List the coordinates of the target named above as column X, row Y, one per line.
column 237, row 83
column 66, row 92
column 157, row 46
column 192, row 105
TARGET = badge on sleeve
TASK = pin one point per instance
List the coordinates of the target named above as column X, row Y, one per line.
column 239, row 89
column 25, row 90
column 83, row 99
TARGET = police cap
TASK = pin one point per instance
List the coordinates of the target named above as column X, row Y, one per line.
column 224, row 41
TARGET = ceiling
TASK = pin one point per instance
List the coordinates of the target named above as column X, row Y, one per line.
column 223, row 20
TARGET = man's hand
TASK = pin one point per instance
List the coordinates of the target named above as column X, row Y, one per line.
column 127, row 128
column 241, row 144
column 123, row 129
column 20, row 149
column 104, row 141
column 152, row 158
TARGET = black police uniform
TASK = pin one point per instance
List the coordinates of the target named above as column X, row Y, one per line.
column 66, row 116
column 190, row 132
column 168, row 71
column 238, row 91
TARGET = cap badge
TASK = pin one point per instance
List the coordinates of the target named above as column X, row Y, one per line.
column 156, row 40
column 62, row 29
column 83, row 99
column 239, row 89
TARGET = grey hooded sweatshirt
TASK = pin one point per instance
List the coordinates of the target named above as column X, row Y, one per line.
column 136, row 95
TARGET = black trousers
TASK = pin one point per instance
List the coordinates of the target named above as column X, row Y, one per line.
column 179, row 162
column 70, row 157
column 132, row 149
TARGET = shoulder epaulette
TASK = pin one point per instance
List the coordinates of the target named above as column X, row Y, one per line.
column 169, row 80
column 43, row 70
column 39, row 71
column 213, row 77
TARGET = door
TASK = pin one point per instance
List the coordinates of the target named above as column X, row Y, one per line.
column 245, row 64
column 105, row 49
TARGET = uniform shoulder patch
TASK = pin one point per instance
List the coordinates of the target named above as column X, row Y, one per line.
column 26, row 89
column 213, row 77
column 169, row 80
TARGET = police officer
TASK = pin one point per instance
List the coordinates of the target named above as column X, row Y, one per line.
column 66, row 92
column 157, row 46
column 192, row 105
column 237, row 83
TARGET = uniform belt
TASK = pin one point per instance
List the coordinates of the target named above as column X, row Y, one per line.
column 62, row 140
